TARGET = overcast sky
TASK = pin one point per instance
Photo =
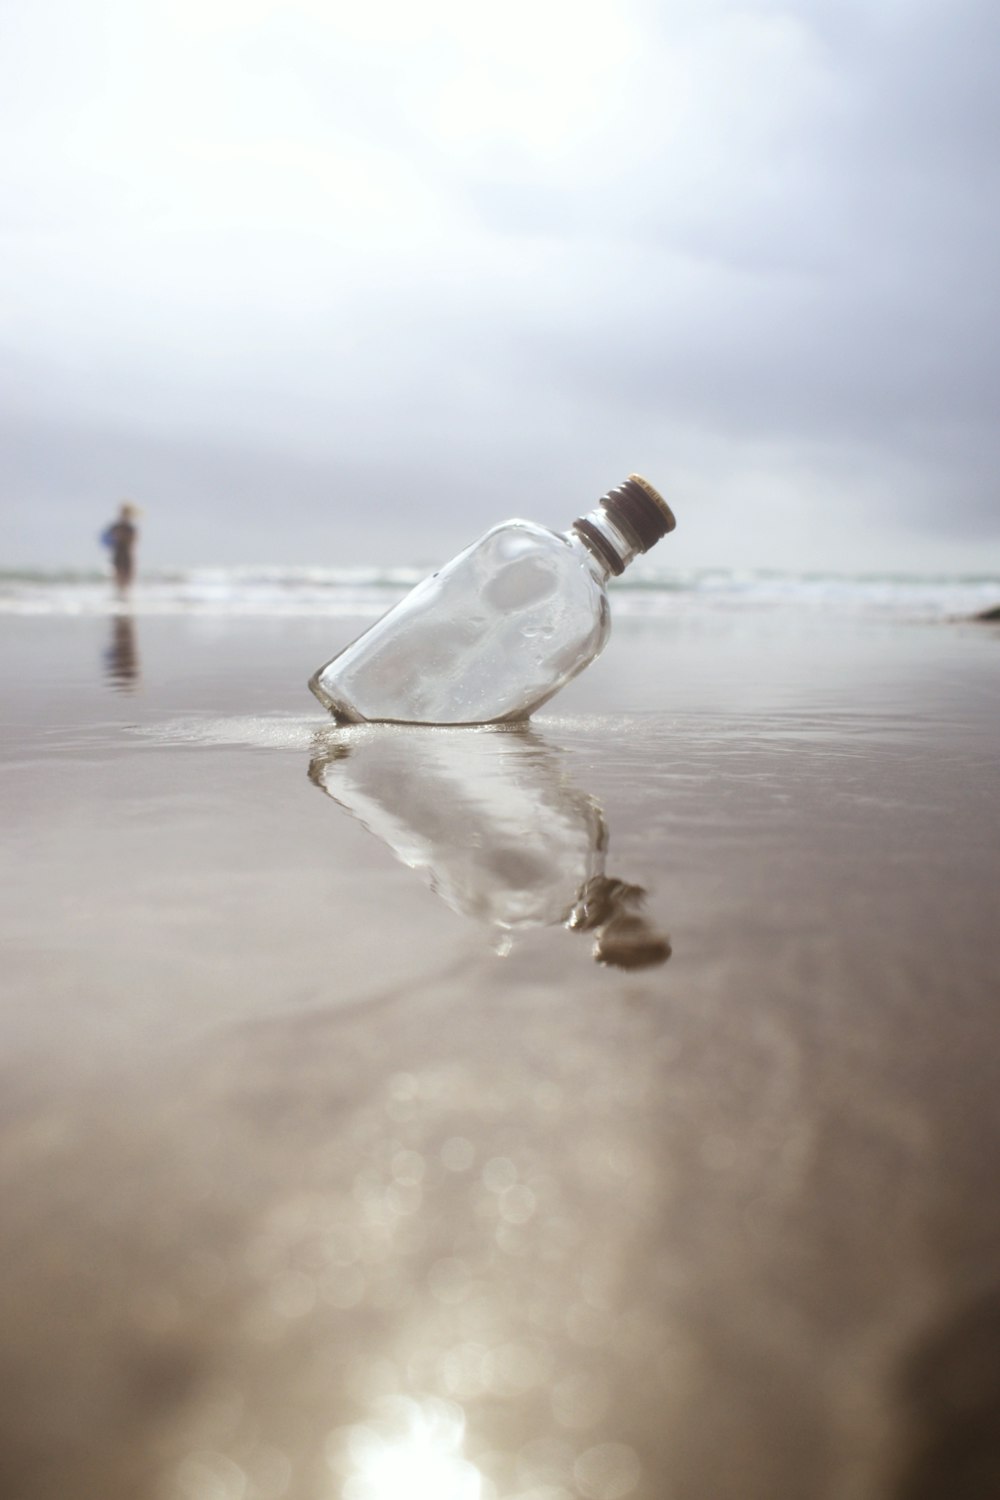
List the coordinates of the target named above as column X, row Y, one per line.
column 348, row 280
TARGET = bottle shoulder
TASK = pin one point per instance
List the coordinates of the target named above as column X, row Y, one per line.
column 518, row 525
column 516, row 538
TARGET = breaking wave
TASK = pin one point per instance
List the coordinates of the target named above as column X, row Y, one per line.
column 368, row 592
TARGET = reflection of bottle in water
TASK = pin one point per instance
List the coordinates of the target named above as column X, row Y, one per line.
column 495, row 825
column 502, row 627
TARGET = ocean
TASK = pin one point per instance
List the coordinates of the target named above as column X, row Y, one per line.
column 366, row 592
column 601, row 1108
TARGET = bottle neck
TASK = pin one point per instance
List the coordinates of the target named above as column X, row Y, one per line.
column 607, row 543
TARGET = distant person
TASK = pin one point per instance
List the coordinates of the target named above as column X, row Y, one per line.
column 120, row 538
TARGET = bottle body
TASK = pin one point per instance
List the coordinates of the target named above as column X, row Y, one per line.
column 486, row 640
column 507, row 623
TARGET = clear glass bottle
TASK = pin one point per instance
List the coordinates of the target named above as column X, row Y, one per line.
column 497, row 631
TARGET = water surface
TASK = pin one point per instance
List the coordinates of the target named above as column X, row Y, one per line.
column 334, row 1164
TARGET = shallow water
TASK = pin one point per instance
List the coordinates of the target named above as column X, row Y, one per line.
column 334, row 1163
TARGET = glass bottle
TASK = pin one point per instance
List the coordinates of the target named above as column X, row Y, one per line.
column 497, row 631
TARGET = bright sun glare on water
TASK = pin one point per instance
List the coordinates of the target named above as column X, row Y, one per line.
column 413, row 1449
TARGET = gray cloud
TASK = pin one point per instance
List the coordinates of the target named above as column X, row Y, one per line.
column 309, row 317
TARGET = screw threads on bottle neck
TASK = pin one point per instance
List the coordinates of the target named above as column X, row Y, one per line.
column 593, row 530
column 629, row 519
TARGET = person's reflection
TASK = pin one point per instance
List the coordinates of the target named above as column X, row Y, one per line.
column 121, row 655
column 493, row 821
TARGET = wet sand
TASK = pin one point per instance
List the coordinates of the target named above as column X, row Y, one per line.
column 335, row 1163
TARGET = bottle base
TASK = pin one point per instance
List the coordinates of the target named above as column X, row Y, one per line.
column 331, row 705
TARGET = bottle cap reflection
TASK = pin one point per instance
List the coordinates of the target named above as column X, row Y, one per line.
column 624, row 938
column 492, row 820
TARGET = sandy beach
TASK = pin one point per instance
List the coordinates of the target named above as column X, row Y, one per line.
column 606, row 1111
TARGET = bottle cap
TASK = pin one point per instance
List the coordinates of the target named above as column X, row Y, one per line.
column 641, row 509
